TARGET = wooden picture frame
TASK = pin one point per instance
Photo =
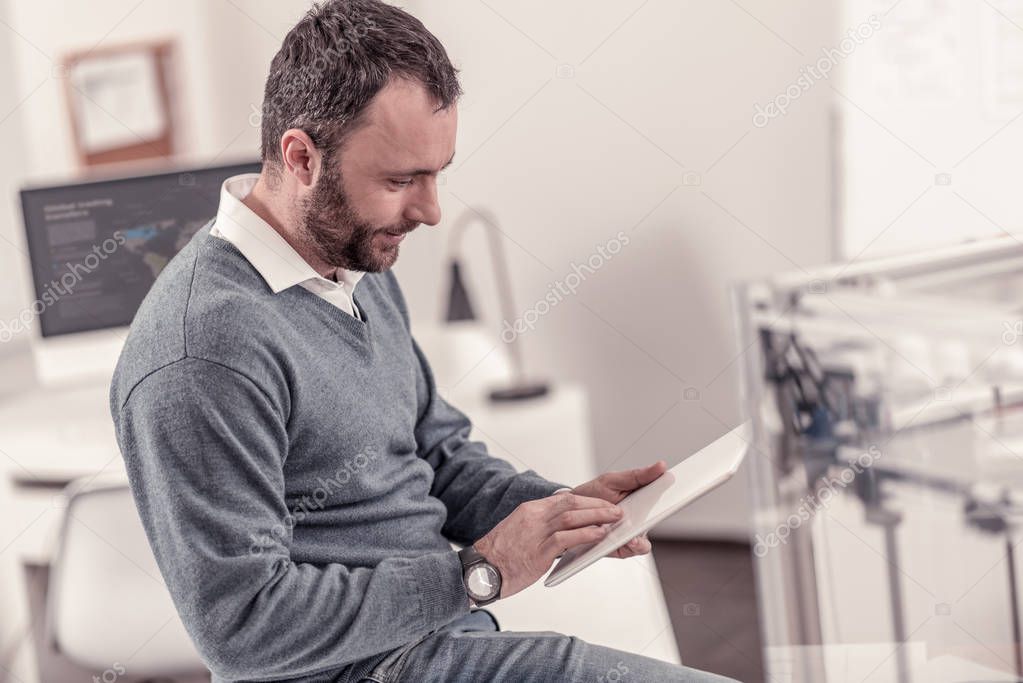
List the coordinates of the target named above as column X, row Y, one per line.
column 100, row 81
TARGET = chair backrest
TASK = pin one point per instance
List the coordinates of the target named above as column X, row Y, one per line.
column 108, row 606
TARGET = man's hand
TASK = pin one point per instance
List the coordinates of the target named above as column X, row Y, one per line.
column 524, row 545
column 613, row 487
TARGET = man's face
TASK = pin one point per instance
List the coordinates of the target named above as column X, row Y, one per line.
column 384, row 183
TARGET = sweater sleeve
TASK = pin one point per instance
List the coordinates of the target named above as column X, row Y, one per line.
column 477, row 489
column 204, row 447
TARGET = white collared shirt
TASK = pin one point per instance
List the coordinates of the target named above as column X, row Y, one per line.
column 270, row 254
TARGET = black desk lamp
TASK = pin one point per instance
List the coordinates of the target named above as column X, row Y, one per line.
column 460, row 305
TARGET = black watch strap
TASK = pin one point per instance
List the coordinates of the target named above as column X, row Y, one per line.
column 470, row 556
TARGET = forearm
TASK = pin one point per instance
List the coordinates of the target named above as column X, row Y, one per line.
column 480, row 490
column 271, row 619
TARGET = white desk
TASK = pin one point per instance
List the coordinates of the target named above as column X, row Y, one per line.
column 47, row 438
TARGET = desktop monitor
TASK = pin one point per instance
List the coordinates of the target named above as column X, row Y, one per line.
column 96, row 248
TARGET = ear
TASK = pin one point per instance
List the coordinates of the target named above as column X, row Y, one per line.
column 300, row 156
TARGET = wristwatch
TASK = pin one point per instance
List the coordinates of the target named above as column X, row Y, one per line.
column 482, row 580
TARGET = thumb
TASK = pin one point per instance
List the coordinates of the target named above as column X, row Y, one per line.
column 630, row 480
column 645, row 475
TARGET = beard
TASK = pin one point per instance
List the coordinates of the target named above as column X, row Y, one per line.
column 333, row 229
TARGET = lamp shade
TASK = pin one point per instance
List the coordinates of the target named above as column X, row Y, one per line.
column 459, row 305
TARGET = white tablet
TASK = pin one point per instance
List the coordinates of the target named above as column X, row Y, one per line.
column 698, row 474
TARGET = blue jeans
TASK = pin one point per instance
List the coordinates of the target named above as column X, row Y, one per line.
column 473, row 648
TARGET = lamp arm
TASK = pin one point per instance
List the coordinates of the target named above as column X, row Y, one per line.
column 501, row 273
column 500, row 261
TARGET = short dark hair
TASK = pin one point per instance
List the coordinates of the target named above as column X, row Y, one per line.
column 334, row 62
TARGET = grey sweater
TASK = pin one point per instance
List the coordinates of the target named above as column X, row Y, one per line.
column 296, row 471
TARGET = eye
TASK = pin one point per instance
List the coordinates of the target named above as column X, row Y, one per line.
column 401, row 183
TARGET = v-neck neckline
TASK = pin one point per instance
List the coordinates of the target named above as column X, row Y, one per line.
column 361, row 328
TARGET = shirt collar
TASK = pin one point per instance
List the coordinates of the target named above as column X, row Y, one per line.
column 263, row 247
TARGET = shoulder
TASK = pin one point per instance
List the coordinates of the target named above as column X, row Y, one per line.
column 208, row 304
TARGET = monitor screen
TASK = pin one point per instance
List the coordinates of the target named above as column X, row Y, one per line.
column 97, row 247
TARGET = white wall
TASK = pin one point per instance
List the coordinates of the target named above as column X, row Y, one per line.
column 935, row 93
column 224, row 50
column 651, row 135
column 12, row 606
column 660, row 89
column 12, row 255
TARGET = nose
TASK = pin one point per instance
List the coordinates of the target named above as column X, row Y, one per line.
column 424, row 207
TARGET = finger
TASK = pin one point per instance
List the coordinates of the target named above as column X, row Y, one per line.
column 630, row 480
column 573, row 519
column 640, row 545
column 562, row 541
column 637, row 546
column 621, row 553
column 563, row 502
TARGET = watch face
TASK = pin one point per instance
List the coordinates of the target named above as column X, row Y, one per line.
column 483, row 582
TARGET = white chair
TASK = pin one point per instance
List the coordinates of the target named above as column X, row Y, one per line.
column 108, row 607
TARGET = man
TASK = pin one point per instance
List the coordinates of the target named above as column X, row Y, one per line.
column 298, row 475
